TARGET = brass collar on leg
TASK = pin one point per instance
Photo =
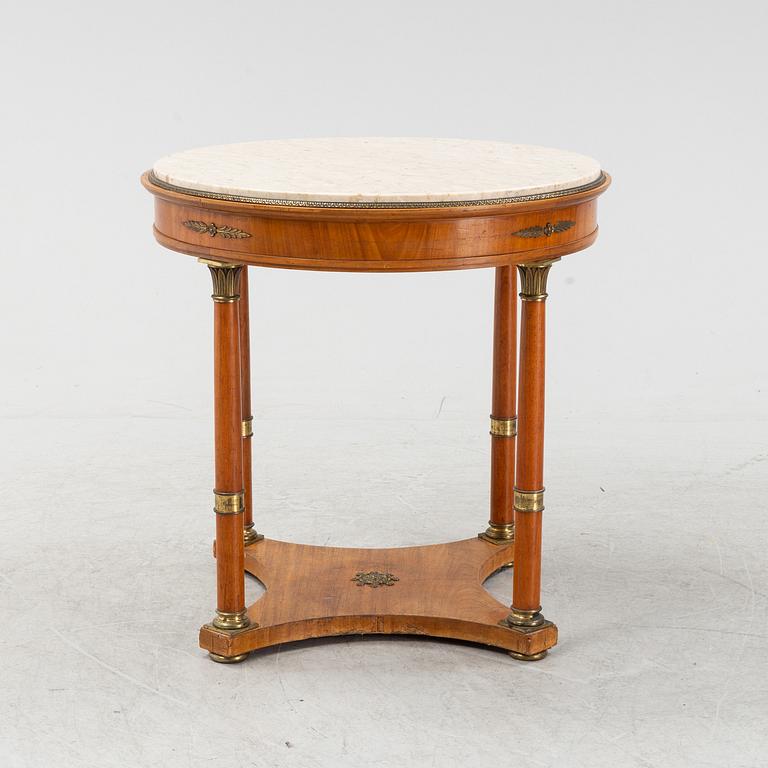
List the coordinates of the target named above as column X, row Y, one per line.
column 529, row 501
column 247, row 427
column 228, row 503
column 506, row 427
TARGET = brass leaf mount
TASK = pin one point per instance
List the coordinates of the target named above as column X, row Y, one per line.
column 229, row 233
column 547, row 230
column 374, row 579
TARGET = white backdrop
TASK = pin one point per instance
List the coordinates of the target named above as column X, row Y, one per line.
column 663, row 318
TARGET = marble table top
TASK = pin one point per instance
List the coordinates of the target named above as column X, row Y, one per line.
column 378, row 171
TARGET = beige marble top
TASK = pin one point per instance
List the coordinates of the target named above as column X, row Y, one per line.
column 376, row 170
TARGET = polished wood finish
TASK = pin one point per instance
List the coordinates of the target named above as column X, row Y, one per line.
column 311, row 593
column 374, row 239
column 245, row 382
column 230, row 582
column 529, row 473
column 503, row 401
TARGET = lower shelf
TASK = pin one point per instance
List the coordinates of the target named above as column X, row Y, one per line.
column 435, row 590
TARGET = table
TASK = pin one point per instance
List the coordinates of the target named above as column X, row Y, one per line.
column 381, row 205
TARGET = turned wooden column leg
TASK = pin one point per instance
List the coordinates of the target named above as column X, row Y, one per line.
column 501, row 528
column 250, row 536
column 228, row 492
column 529, row 473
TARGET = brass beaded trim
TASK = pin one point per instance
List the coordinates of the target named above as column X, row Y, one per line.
column 228, row 503
column 504, row 427
column 350, row 204
column 247, row 427
column 529, row 501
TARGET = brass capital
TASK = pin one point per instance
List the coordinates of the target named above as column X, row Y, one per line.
column 228, row 503
column 504, row 427
column 529, row 501
column 533, row 279
column 226, row 280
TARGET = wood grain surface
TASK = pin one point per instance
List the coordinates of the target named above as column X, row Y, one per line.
column 228, row 444
column 529, row 472
column 436, row 590
column 311, row 592
column 503, row 401
column 245, row 383
column 370, row 240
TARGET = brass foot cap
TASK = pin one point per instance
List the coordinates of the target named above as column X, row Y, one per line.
column 228, row 659
column 520, row 618
column 251, row 537
column 527, row 656
column 498, row 533
column 230, row 621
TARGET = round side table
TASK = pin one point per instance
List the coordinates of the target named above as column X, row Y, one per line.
column 381, row 205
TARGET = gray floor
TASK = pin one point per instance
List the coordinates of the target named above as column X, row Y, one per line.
column 654, row 570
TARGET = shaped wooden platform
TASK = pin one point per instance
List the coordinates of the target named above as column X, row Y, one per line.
column 434, row 590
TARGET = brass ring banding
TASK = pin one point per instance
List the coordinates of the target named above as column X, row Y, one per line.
column 225, row 299
column 247, row 427
column 228, row 503
column 529, row 501
column 534, row 296
column 506, row 427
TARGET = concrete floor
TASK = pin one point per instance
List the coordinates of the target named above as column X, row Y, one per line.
column 654, row 569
